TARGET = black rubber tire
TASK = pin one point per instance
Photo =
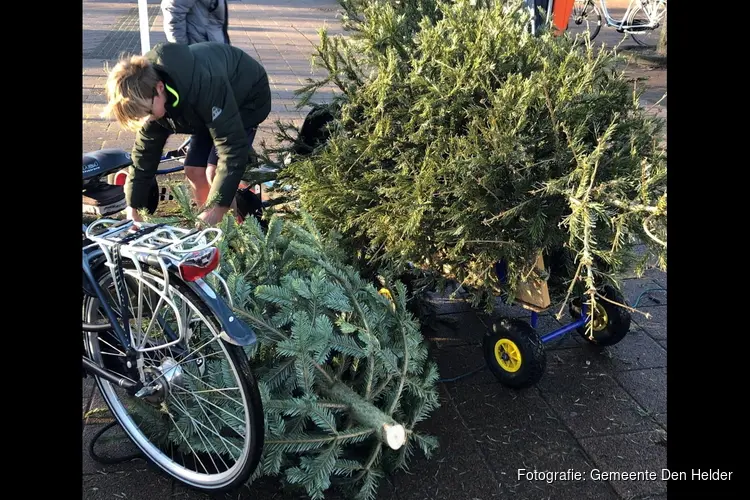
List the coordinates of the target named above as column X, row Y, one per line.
column 246, row 376
column 531, row 348
column 618, row 318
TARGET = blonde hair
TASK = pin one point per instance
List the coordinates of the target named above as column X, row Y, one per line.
column 131, row 86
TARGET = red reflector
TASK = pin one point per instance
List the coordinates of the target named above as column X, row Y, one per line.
column 199, row 264
column 120, row 178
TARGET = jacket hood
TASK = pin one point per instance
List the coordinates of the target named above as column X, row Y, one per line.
column 181, row 63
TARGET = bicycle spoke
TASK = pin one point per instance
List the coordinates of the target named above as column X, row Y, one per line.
column 206, row 442
column 218, row 407
column 216, row 432
column 216, row 390
column 120, row 353
column 195, row 455
column 201, row 347
column 186, row 362
column 213, row 389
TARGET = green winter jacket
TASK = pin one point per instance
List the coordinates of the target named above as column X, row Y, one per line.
column 209, row 84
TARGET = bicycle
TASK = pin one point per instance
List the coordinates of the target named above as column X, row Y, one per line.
column 641, row 19
column 167, row 352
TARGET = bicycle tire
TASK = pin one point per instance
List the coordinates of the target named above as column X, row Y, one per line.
column 592, row 12
column 248, row 386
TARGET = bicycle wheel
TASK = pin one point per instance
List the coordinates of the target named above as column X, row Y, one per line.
column 645, row 13
column 585, row 19
column 204, row 425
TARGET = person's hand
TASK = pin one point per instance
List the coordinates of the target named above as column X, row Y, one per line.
column 212, row 216
column 133, row 214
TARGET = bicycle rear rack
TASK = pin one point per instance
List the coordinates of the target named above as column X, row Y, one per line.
column 153, row 239
column 157, row 245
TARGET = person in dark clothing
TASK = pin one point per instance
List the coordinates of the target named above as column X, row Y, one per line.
column 211, row 90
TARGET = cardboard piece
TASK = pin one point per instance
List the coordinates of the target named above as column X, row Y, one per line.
column 534, row 294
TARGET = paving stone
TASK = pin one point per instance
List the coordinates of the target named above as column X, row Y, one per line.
column 657, row 275
column 637, row 350
column 656, row 325
column 461, row 360
column 591, row 402
column 113, row 444
column 661, row 418
column 643, row 292
column 636, row 452
column 648, row 388
column 131, row 485
column 456, row 470
column 87, row 389
column 517, row 430
column 270, row 488
column 540, row 490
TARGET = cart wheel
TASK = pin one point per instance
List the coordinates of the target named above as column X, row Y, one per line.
column 514, row 353
column 610, row 322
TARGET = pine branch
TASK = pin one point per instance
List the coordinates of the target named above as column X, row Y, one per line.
column 293, row 443
column 279, row 334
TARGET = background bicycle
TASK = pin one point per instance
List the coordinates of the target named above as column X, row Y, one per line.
column 641, row 19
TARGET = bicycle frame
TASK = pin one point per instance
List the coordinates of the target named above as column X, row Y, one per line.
column 170, row 249
column 112, row 324
column 175, row 154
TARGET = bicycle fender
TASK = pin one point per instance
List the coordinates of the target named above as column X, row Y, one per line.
column 234, row 330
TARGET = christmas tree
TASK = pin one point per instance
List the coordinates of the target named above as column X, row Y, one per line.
column 343, row 370
column 460, row 140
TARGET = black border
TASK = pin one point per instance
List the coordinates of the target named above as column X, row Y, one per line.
column 705, row 389
column 43, row 74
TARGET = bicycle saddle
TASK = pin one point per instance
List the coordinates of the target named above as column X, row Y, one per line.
column 104, row 161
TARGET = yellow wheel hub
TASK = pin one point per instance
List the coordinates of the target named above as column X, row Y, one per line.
column 387, row 294
column 507, row 355
column 600, row 320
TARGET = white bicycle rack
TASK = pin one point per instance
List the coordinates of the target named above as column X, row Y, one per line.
column 153, row 244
